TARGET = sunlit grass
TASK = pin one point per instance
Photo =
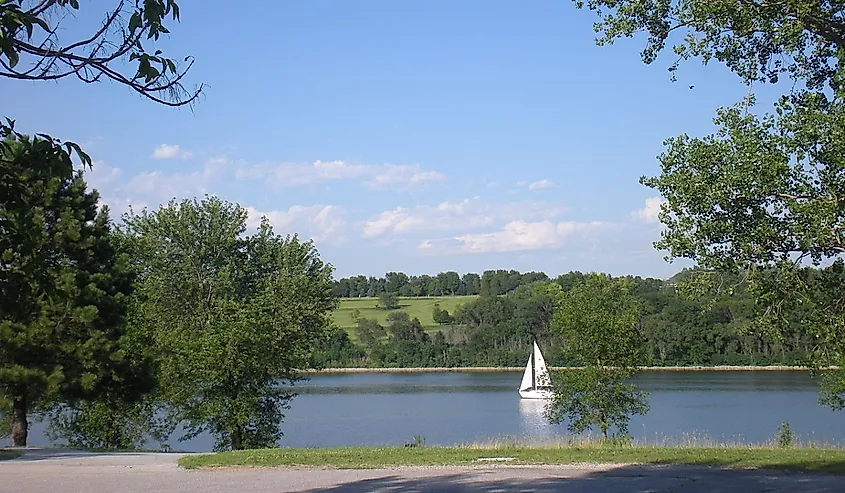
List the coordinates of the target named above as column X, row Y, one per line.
column 831, row 460
column 415, row 307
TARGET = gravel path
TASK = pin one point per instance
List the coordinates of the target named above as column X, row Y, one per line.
column 51, row 470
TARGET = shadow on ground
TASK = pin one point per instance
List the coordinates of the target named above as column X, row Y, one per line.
column 652, row 479
column 50, row 454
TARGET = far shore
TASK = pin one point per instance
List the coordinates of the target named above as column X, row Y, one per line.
column 482, row 369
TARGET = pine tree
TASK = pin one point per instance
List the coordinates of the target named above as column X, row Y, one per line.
column 63, row 287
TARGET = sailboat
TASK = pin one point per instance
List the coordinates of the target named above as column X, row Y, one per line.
column 536, row 383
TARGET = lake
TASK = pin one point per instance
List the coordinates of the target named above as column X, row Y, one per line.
column 463, row 407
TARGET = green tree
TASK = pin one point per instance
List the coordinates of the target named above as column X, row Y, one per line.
column 369, row 332
column 235, row 316
column 761, row 196
column 441, row 316
column 109, row 420
column 597, row 321
column 595, row 396
column 63, row 289
column 388, row 300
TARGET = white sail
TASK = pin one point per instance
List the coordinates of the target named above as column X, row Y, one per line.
column 526, row 383
column 536, row 383
column 541, row 372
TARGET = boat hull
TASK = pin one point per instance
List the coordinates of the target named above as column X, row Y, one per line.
column 536, row 394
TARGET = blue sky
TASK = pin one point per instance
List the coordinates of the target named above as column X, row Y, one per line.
column 415, row 136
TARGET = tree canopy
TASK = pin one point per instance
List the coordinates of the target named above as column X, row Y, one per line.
column 759, row 40
column 64, row 289
column 597, row 321
column 235, row 316
column 763, row 196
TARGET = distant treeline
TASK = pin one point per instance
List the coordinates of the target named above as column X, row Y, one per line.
column 491, row 282
column 497, row 328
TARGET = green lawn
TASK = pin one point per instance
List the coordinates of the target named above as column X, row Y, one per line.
column 9, row 454
column 419, row 307
column 798, row 459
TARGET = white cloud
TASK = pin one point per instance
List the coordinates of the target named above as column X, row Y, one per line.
column 515, row 236
column 540, row 185
column 323, row 223
column 456, row 216
column 148, row 189
column 372, row 175
column 166, row 151
column 649, row 213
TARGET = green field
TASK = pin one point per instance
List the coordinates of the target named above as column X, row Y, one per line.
column 796, row 459
column 419, row 307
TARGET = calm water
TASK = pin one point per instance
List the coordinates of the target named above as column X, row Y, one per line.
column 450, row 408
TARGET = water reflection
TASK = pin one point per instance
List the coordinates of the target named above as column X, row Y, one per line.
column 533, row 419
column 450, row 408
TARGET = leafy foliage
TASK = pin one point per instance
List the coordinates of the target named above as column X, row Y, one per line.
column 756, row 39
column 440, row 315
column 388, row 300
column 785, row 436
column 104, row 424
column 675, row 329
column 63, row 289
column 30, row 48
column 764, row 191
column 762, row 197
column 598, row 320
column 234, row 316
column 595, row 396
column 449, row 283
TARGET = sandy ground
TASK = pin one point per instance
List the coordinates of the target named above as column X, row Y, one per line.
column 52, row 470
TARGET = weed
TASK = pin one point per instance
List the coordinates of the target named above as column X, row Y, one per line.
column 785, row 436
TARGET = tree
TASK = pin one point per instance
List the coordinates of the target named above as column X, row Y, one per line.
column 472, row 283
column 597, row 320
column 441, row 316
column 110, row 420
column 63, row 288
column 235, row 316
column 388, row 300
column 761, row 196
column 395, row 281
column 759, row 199
column 595, row 396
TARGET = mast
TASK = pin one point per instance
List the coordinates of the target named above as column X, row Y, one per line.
column 533, row 368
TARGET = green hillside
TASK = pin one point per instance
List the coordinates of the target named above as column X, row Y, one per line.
column 419, row 307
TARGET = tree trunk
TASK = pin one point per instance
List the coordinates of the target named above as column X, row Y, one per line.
column 603, row 424
column 237, row 442
column 19, row 428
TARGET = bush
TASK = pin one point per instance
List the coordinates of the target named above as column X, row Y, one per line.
column 785, row 436
column 388, row 301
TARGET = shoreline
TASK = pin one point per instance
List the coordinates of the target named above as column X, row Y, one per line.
column 492, row 369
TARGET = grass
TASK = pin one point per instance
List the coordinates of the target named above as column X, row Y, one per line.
column 9, row 454
column 796, row 459
column 419, row 307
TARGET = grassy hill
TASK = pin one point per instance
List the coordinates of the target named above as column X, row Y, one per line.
column 419, row 307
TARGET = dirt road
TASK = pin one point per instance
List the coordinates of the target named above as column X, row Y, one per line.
column 48, row 471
